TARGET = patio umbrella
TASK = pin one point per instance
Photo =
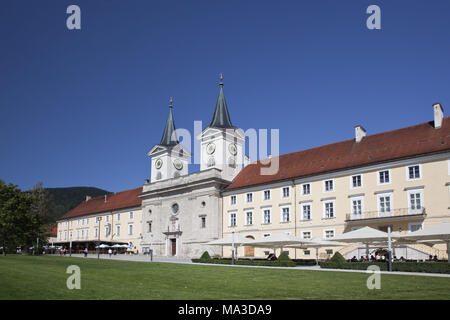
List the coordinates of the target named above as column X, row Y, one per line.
column 366, row 236
column 439, row 233
column 233, row 240
column 278, row 240
column 318, row 243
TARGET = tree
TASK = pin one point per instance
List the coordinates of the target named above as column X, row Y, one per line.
column 15, row 218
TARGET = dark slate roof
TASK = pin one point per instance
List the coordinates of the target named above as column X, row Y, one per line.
column 387, row 146
column 221, row 118
column 169, row 130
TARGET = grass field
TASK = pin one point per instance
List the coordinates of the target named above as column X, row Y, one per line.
column 28, row 277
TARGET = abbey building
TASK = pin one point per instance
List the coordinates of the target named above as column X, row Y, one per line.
column 399, row 178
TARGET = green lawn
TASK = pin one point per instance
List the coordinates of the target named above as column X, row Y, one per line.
column 28, row 277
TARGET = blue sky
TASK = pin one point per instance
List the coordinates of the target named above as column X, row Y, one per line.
column 82, row 108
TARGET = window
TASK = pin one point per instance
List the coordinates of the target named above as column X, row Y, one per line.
column 96, row 232
column 60, row 235
column 357, row 207
column 285, row 192
column 118, row 217
column 249, row 218
column 130, row 228
column 266, row 195
column 285, row 214
column 415, row 201
column 356, row 181
column 233, row 200
column 117, row 230
column 78, row 234
column 107, row 218
column 249, row 197
column 384, row 204
column 328, row 209
column 306, row 211
column 70, row 235
column 266, row 216
column 415, row 227
column 203, row 222
column 384, row 177
column 413, row 172
column 87, row 220
column 107, row 230
column 329, row 234
column 266, row 235
column 328, row 185
column 82, row 234
column 306, row 189
column 306, row 234
column 329, row 252
column 307, row 252
column 233, row 219
column 131, row 215
column 65, row 235
column 149, row 226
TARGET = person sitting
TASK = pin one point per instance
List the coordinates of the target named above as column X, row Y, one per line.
column 435, row 258
column 354, row 259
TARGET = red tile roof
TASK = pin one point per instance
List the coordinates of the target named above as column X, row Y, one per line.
column 386, row 146
column 120, row 200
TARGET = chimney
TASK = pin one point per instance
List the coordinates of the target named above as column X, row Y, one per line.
column 360, row 133
column 438, row 115
column 105, row 197
column 147, row 181
column 246, row 160
column 270, row 156
column 88, row 198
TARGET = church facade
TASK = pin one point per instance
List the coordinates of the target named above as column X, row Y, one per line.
column 181, row 211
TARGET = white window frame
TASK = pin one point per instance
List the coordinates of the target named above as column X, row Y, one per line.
column 420, row 172
column 246, row 197
column 378, row 177
column 246, row 212
column 96, row 233
column 230, row 214
column 391, row 204
column 263, row 215
column 351, row 181
column 131, row 215
column 303, row 190
column 264, row 197
column 231, row 200
column 118, row 230
column 325, row 209
column 302, row 205
column 352, row 213
column 288, row 206
column 325, row 233
column 282, row 192
column 307, row 252
column 408, row 199
column 325, row 186
column 130, row 228
column 118, row 217
column 414, row 223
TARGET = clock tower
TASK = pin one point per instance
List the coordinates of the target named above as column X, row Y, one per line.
column 221, row 142
column 169, row 157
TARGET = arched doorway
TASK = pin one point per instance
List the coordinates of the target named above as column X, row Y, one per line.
column 249, row 251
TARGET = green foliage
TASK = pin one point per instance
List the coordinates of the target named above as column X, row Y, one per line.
column 337, row 258
column 430, row 267
column 205, row 257
column 255, row 262
column 65, row 199
column 285, row 261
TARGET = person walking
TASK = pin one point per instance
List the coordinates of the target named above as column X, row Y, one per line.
column 85, row 252
column 110, row 252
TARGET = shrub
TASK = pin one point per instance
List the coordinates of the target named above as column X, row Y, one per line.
column 205, row 257
column 337, row 258
column 285, row 261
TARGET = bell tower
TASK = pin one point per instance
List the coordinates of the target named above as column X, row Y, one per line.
column 169, row 157
column 221, row 142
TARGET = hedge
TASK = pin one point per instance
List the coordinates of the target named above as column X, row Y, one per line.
column 283, row 261
column 430, row 267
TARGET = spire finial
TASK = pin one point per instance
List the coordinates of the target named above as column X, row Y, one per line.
column 170, row 102
column 221, row 78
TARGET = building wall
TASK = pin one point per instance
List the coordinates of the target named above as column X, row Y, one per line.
column 84, row 228
column 432, row 185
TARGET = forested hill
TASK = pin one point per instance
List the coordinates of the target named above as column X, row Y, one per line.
column 65, row 199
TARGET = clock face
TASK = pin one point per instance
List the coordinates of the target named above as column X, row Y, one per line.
column 175, row 208
column 233, row 149
column 210, row 148
column 158, row 163
column 178, row 164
